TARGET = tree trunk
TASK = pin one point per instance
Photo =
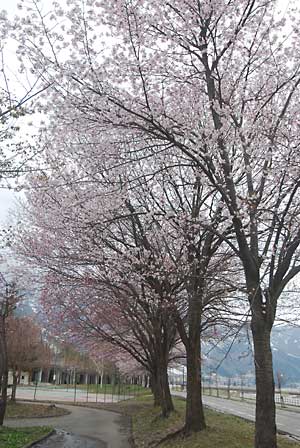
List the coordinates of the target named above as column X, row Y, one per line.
column 3, row 369
column 2, row 411
column 166, row 399
column 155, row 389
column 265, row 423
column 3, row 398
column 14, row 385
column 160, row 388
column 194, row 417
column 29, row 376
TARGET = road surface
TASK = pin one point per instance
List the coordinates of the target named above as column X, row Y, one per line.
column 82, row 428
column 65, row 394
column 287, row 421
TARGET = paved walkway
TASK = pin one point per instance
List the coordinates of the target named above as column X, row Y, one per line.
column 82, row 428
column 64, row 440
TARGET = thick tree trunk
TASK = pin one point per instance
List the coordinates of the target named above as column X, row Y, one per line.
column 265, row 423
column 161, row 389
column 194, row 418
column 166, row 399
column 155, row 389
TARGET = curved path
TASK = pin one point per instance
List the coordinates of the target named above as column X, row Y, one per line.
column 82, row 428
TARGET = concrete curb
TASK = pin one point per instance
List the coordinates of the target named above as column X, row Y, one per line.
column 71, row 403
column 40, row 439
column 288, row 435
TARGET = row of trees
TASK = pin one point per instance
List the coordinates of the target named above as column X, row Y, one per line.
column 26, row 349
column 132, row 281
column 16, row 154
column 8, row 300
column 169, row 176
column 21, row 341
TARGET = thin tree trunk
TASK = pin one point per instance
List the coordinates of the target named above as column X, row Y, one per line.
column 3, row 397
column 14, row 385
column 3, row 370
column 2, row 402
column 265, row 423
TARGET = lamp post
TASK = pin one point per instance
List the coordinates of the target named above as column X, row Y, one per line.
column 279, row 380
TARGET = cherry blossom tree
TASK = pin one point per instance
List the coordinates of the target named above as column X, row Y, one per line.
column 217, row 83
column 146, row 261
column 104, row 286
column 19, row 87
column 25, row 348
column 9, row 297
column 101, row 313
column 117, row 289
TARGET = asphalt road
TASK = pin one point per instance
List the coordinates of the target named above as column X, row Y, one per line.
column 82, row 428
column 287, row 421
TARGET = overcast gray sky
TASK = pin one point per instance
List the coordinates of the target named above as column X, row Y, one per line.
column 8, row 197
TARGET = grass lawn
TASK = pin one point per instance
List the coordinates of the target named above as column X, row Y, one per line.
column 223, row 431
column 18, row 437
column 30, row 410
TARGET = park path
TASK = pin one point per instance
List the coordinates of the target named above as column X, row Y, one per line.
column 82, row 428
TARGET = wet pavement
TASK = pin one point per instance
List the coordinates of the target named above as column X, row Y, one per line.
column 82, row 428
column 65, row 440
